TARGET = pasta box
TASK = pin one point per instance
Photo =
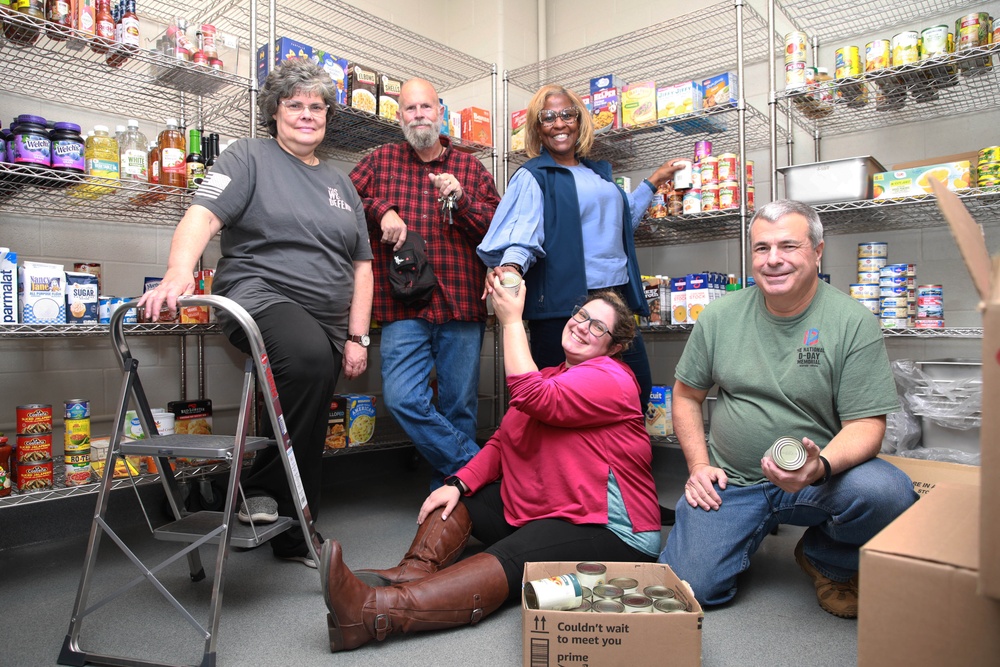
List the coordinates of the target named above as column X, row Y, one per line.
column 518, row 129
column 284, row 49
column 360, row 411
column 362, row 88
column 639, row 104
column 916, row 181
column 336, row 428
column 388, row 97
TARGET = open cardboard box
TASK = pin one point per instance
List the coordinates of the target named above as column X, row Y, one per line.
column 926, row 474
column 986, row 277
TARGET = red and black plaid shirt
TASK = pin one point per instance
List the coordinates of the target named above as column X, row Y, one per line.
column 394, row 177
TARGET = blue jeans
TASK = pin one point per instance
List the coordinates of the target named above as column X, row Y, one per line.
column 709, row 548
column 445, row 435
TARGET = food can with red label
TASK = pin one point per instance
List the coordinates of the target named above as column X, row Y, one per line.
column 749, row 172
column 34, row 476
column 928, row 323
column 729, row 195
column 710, row 197
column 34, row 447
column 34, row 418
column 750, row 198
column 77, row 458
column 77, row 474
column 709, row 171
column 729, row 167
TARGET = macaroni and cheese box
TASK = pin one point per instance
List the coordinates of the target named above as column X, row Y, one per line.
column 388, row 97
column 362, row 88
column 916, row 181
column 360, row 413
column 604, row 82
column 337, row 69
column 720, row 90
column 284, row 49
column 336, row 430
column 606, row 110
column 9, row 312
column 659, row 418
column 477, row 126
column 639, row 104
column 678, row 99
column 518, row 129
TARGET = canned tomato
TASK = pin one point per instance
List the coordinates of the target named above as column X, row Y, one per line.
column 77, row 458
column 35, row 447
column 905, row 48
column 557, row 593
column 847, row 62
column 77, row 474
column 34, row 418
column 748, row 169
column 76, row 408
column 928, row 323
column 871, row 304
column 868, row 277
column 894, row 322
column 729, row 195
column 692, row 202
column 710, row 197
column 877, row 55
column 637, row 603
column 871, row 263
column 590, row 574
column 990, row 154
column 788, row 453
column 77, row 435
column 709, row 171
column 873, row 249
column 729, row 167
column 34, row 476
column 863, row 290
column 934, row 41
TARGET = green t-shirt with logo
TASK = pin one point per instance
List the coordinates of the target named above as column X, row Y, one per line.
column 785, row 376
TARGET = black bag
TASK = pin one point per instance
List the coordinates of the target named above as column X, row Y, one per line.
column 411, row 278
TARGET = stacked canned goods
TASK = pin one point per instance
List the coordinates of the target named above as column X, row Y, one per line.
column 588, row 590
column 795, row 60
column 930, row 307
column 872, row 256
column 76, row 442
column 988, row 167
column 34, row 447
column 888, row 290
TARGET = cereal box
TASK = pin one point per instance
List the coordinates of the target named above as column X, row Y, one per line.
column 678, row 301
column 518, row 129
column 284, row 49
column 916, row 181
column 362, row 88
column 720, row 90
column 337, row 69
column 360, row 410
column 336, row 430
column 388, row 97
column 606, row 110
column 43, row 293
column 9, row 312
column 698, row 294
column 659, row 419
column 81, row 298
column 678, row 99
column 477, row 126
column 639, row 104
column 604, row 82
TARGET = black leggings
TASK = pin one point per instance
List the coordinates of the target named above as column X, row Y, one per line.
column 542, row 540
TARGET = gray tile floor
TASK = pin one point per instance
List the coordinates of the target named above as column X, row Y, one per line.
column 273, row 613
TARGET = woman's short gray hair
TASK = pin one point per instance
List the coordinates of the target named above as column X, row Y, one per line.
column 779, row 208
column 290, row 78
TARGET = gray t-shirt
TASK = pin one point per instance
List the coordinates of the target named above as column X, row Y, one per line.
column 291, row 233
column 797, row 376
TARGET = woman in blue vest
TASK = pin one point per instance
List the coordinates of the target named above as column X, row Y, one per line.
column 564, row 219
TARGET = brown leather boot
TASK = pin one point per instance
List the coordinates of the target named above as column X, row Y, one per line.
column 436, row 546
column 460, row 595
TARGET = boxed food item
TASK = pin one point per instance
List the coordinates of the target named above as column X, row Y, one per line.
column 845, row 179
column 203, row 285
column 659, row 417
column 550, row 638
column 518, row 129
column 336, row 430
column 604, row 82
column 477, row 126
column 388, row 97
column 606, row 110
column 81, row 298
column 678, row 301
column 362, row 88
column 697, row 294
column 192, row 417
column 639, row 104
column 124, row 466
column 651, row 290
column 9, row 312
column 337, row 69
column 588, row 103
column 360, row 410
column 678, row 99
column 448, row 118
column 916, row 181
column 43, row 293
column 720, row 90
column 284, row 49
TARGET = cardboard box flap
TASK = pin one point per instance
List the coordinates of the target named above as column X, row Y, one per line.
column 968, row 235
column 954, row 513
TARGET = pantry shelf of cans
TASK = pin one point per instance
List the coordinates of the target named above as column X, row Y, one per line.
column 90, row 330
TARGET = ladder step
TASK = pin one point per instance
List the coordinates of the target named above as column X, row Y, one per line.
column 194, row 526
column 192, row 446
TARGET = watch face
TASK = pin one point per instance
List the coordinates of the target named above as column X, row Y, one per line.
column 365, row 340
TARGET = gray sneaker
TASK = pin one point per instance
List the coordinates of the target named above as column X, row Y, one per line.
column 259, row 509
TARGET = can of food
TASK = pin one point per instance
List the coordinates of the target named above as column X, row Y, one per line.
column 104, row 309
column 76, row 408
column 896, row 290
column 34, row 418
column 930, row 290
column 972, row 31
column 34, row 476
column 658, row 592
column 555, row 593
column 988, row 172
column 892, row 280
column 696, row 176
column 587, row 592
column 873, row 249
column 928, row 323
column 675, row 204
column 894, row 322
column 607, row 607
column 77, row 435
column 729, row 195
column 590, row 574
column 748, row 168
column 627, row 584
column 868, row 277
column 795, row 46
column 77, row 458
column 657, row 207
column 93, row 268
column 864, row 290
column 669, row 605
column 905, row 48
column 709, row 171
column 702, row 149
column 585, row 605
column 989, row 155
column 131, row 315
column 795, row 76
column 934, row 41
column 898, row 313
column 34, row 447
column 683, row 176
column 750, row 198
column 847, row 62
column 893, row 270
column 788, row 453
column 871, row 263
column 894, row 302
column 928, row 310
column 871, row 304
column 637, row 603
column 710, row 197
column 692, row 202
column 728, row 167
column 77, row 474
column 878, row 55
column 607, row 592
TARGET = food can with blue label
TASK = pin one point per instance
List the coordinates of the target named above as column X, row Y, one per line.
column 870, row 304
column 873, row 249
column 77, row 408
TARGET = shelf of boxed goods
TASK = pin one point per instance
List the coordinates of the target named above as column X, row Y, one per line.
column 91, row 330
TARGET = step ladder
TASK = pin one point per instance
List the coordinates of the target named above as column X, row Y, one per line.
column 193, row 529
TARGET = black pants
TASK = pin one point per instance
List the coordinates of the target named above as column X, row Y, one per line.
column 305, row 365
column 543, row 540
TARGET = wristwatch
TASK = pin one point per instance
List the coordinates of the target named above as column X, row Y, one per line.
column 826, row 473
column 363, row 340
column 516, row 267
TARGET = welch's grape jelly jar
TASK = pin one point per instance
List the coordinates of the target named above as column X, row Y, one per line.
column 67, row 148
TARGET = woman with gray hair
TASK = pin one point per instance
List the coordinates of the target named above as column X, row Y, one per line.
column 295, row 254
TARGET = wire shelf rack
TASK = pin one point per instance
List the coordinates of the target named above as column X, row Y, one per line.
column 872, row 215
column 695, row 228
column 91, row 330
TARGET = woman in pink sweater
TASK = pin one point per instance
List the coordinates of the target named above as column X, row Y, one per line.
column 566, row 477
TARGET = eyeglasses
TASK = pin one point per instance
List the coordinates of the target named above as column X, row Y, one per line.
column 295, row 107
column 597, row 327
column 569, row 115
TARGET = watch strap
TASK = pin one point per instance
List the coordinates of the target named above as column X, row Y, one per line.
column 826, row 472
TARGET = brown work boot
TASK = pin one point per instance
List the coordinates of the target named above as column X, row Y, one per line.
column 461, row 595
column 436, row 545
column 839, row 598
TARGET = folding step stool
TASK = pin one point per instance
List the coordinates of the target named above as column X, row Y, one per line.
column 194, row 529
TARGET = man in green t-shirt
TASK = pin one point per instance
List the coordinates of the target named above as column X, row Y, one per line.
column 791, row 357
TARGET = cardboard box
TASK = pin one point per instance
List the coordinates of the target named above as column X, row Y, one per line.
column 639, row 104
column 916, row 181
column 518, row 129
column 388, row 97
column 720, row 90
column 604, row 82
column 284, row 48
column 43, row 293
column 698, row 294
column 360, row 410
column 9, row 312
column 477, row 126
column 552, row 638
column 606, row 110
column 928, row 474
column 659, row 412
column 678, row 99
column 651, row 290
column 678, row 301
column 336, row 429
column 918, row 603
column 362, row 88
column 986, row 278
column 337, row 69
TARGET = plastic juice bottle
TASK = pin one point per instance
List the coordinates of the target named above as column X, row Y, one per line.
column 153, row 163
column 101, row 158
column 173, row 166
column 132, row 153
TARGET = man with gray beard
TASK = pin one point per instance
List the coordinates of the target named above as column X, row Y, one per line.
column 402, row 186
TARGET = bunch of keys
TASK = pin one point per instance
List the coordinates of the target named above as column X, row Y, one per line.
column 447, row 206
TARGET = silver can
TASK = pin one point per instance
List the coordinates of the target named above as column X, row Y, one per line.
column 787, row 453
column 607, row 607
column 553, row 593
column 627, row 584
column 669, row 605
column 607, row 592
column 590, row 573
column 637, row 603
